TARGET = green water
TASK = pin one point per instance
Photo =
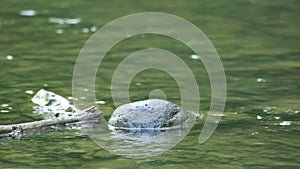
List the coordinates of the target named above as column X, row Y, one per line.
column 255, row 39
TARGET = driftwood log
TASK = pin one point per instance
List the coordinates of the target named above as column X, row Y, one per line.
column 14, row 130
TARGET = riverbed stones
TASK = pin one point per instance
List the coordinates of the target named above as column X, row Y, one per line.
column 149, row 114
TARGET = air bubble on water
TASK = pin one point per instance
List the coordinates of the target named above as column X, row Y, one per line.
column 82, row 98
column 59, row 31
column 100, row 102
column 260, row 80
column 56, row 20
column 9, row 57
column 276, row 117
column 85, row 30
column 4, row 111
column 258, row 117
column 29, row 92
column 195, row 57
column 28, row 13
column 45, row 85
column 254, row 133
column 70, row 98
column 65, row 21
column 73, row 21
column 5, row 105
column 285, row 123
column 93, row 29
column 270, row 110
column 138, row 84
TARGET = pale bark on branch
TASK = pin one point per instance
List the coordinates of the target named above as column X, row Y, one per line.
column 88, row 114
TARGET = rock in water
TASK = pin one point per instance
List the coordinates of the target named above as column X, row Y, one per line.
column 51, row 102
column 150, row 114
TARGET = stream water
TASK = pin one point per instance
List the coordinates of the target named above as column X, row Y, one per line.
column 257, row 41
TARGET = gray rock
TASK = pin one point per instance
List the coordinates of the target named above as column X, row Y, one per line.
column 150, row 114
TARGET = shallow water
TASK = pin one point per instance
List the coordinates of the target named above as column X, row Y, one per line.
column 258, row 43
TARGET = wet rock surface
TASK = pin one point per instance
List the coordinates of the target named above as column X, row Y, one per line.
column 149, row 114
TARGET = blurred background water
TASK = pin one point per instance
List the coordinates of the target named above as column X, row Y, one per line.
column 258, row 43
